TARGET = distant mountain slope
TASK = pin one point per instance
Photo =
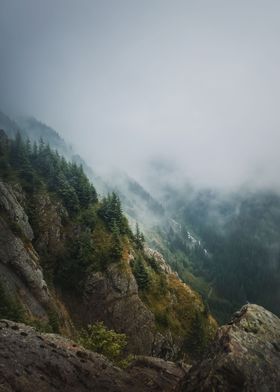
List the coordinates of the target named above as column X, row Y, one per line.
column 36, row 130
column 10, row 125
column 241, row 233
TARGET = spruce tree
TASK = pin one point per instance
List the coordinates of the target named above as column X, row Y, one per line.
column 139, row 238
column 140, row 273
column 116, row 249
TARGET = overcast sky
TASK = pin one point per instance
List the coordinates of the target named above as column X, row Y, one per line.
column 129, row 81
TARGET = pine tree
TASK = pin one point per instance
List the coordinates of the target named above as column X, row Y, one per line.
column 111, row 212
column 139, row 238
column 18, row 152
column 67, row 193
column 116, row 249
column 196, row 341
column 141, row 274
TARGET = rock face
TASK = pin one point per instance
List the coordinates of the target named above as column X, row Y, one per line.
column 9, row 203
column 19, row 262
column 244, row 357
column 20, row 270
column 160, row 260
column 51, row 363
column 50, row 235
column 113, row 297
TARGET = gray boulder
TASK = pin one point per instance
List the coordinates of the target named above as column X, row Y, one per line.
column 244, row 357
column 50, row 363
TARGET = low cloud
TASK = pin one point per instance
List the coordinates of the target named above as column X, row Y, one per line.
column 194, row 83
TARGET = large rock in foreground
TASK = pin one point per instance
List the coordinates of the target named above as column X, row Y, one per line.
column 32, row 361
column 244, row 357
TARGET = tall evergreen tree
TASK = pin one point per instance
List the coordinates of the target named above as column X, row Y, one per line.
column 139, row 238
column 140, row 273
column 116, row 249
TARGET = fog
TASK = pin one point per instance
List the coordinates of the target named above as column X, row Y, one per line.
column 132, row 84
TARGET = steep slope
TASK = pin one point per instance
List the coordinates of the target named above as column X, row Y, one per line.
column 166, row 235
column 161, row 316
column 22, row 278
column 235, row 235
column 64, row 248
column 138, row 204
column 10, row 125
column 241, row 234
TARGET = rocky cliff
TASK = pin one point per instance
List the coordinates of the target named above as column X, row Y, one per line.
column 51, row 363
column 68, row 259
column 36, row 234
column 245, row 357
column 113, row 297
column 21, row 273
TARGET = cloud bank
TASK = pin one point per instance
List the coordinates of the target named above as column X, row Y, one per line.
column 192, row 83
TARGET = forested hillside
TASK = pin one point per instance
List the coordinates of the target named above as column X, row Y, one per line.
column 69, row 260
column 240, row 233
column 224, row 246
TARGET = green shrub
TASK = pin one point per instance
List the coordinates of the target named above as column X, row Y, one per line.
column 53, row 321
column 97, row 337
column 197, row 339
column 153, row 264
column 162, row 319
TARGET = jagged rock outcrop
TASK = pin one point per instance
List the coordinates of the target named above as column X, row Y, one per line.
column 113, row 297
column 244, row 357
column 19, row 262
column 9, row 204
column 21, row 273
column 50, row 233
column 50, row 363
column 20, row 270
column 160, row 260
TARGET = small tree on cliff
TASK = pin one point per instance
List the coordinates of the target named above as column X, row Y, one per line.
column 139, row 238
column 140, row 273
column 97, row 337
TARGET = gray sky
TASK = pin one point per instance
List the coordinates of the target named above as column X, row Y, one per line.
column 195, row 82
